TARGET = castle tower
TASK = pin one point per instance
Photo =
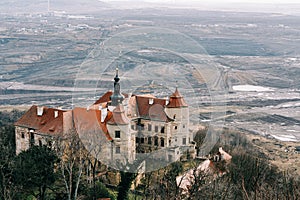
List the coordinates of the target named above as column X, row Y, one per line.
column 123, row 148
column 177, row 109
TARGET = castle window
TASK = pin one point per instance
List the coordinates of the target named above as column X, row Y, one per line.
column 156, row 141
column 162, row 142
column 156, row 128
column 183, row 126
column 149, row 127
column 118, row 150
column 184, row 141
column 175, row 127
column 31, row 139
column 142, row 140
column 137, row 140
column 132, row 126
column 170, row 157
column 162, row 130
column 22, row 135
column 117, row 134
column 40, row 142
column 174, row 117
column 149, row 140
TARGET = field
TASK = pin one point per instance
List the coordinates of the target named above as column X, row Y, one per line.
column 43, row 53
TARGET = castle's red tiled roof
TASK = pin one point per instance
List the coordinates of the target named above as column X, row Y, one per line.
column 176, row 100
column 90, row 121
column 118, row 116
column 31, row 119
column 104, row 98
column 53, row 127
column 153, row 111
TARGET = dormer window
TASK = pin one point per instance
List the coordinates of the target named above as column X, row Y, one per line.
column 151, row 101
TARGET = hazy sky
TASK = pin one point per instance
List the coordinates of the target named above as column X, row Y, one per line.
column 277, row 6
column 216, row 1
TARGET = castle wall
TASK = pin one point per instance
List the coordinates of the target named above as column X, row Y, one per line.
column 123, row 146
column 25, row 138
column 22, row 139
column 179, row 128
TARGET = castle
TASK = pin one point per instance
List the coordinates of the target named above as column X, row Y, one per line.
column 122, row 126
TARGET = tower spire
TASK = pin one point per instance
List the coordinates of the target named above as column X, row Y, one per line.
column 116, row 97
column 117, row 79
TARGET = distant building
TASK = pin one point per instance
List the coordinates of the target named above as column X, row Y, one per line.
column 123, row 125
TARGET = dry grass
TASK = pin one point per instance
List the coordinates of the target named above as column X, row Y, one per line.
column 281, row 154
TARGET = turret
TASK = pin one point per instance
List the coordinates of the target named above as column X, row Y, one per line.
column 116, row 98
column 178, row 110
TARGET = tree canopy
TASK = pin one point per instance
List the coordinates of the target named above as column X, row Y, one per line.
column 34, row 170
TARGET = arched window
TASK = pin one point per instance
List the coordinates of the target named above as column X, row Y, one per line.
column 156, row 141
column 149, row 140
column 162, row 142
column 149, row 127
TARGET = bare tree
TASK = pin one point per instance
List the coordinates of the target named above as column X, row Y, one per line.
column 73, row 159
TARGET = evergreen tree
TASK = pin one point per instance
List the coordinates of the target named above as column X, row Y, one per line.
column 34, row 171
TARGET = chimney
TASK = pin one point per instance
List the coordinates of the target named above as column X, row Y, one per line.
column 103, row 114
column 40, row 111
column 167, row 101
column 55, row 113
column 151, row 101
